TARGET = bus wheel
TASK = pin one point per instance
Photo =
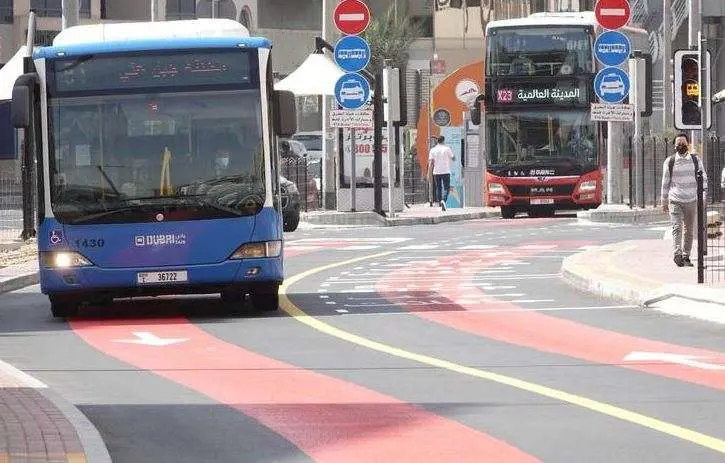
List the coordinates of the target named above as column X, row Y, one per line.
column 291, row 222
column 63, row 306
column 266, row 298
column 508, row 212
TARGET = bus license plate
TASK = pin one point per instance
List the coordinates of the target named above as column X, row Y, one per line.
column 542, row 201
column 150, row 278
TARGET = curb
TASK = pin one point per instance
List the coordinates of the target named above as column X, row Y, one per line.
column 93, row 445
column 94, row 448
column 623, row 215
column 661, row 297
column 373, row 219
column 18, row 282
column 576, row 275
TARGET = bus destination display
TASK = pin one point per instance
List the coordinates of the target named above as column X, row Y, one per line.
column 105, row 73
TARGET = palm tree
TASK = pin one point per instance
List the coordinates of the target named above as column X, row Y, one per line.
column 390, row 38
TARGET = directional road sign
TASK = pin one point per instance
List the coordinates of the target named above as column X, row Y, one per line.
column 612, row 48
column 352, row 53
column 611, row 85
column 612, row 14
column 352, row 17
column 352, row 91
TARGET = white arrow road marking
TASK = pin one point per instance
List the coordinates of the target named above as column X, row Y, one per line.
column 681, row 359
column 149, row 339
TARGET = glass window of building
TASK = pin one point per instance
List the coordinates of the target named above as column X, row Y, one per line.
column 180, row 9
column 290, row 14
column 224, row 9
column 54, row 8
column 6, row 11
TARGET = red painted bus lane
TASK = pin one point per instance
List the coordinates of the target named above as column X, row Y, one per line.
column 327, row 418
column 508, row 322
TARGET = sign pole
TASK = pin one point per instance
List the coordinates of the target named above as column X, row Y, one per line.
column 353, row 171
column 634, row 98
column 704, row 100
column 612, row 85
column 391, row 155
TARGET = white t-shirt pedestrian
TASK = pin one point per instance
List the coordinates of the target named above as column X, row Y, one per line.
column 442, row 157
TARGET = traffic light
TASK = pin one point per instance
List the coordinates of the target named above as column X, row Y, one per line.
column 688, row 89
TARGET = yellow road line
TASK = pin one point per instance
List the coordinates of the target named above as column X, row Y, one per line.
column 286, row 304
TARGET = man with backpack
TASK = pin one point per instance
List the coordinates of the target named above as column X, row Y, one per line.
column 679, row 196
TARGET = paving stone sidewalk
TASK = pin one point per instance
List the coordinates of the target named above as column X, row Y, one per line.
column 36, row 424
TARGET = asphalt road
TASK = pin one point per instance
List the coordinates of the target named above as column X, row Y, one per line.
column 455, row 342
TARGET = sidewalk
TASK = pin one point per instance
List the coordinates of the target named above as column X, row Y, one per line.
column 37, row 424
column 416, row 214
column 621, row 213
column 642, row 272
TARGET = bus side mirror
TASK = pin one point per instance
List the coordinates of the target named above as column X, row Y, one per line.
column 20, row 107
column 285, row 113
column 476, row 110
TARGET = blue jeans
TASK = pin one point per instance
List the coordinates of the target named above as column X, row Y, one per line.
column 442, row 185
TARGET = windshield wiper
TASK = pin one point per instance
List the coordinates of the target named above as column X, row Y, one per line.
column 192, row 200
column 99, row 215
column 113, row 186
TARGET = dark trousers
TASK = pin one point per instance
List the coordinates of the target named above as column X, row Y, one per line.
column 442, row 185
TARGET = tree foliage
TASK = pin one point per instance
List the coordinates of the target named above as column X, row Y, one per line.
column 390, row 37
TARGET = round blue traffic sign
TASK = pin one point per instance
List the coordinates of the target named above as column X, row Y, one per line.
column 611, row 85
column 352, row 91
column 612, row 48
column 352, row 53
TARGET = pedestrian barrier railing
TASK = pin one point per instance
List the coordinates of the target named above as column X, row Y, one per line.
column 306, row 176
column 713, row 207
column 11, row 207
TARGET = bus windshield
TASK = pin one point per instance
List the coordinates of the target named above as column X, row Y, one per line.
column 541, row 137
column 129, row 157
column 539, row 51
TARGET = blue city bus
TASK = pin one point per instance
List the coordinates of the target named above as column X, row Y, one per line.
column 157, row 165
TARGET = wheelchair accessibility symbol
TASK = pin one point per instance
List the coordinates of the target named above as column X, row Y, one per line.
column 56, row 237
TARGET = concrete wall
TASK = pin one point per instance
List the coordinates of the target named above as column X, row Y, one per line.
column 128, row 10
column 291, row 48
column 290, row 15
column 7, row 43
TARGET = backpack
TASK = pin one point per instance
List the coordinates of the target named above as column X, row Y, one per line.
column 671, row 164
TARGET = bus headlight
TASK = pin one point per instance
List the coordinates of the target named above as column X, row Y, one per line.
column 589, row 185
column 496, row 189
column 258, row 250
column 63, row 259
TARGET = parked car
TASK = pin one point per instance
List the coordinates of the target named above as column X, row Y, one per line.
column 290, row 204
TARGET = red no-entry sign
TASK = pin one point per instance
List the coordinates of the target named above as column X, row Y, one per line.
column 352, row 17
column 612, row 14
